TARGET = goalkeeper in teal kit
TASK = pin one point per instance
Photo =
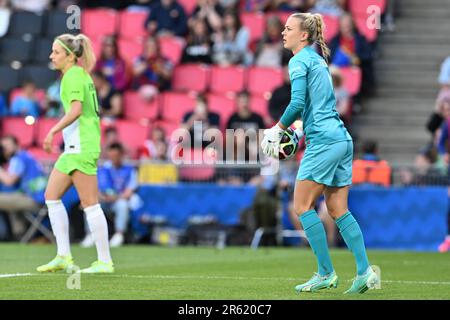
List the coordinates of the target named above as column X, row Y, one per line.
column 326, row 167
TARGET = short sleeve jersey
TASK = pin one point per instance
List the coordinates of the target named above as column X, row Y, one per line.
column 321, row 122
column 83, row 135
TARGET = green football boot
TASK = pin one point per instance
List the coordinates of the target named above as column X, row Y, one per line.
column 58, row 263
column 99, row 267
column 364, row 282
column 318, row 282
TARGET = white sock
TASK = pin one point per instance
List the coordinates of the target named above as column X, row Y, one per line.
column 60, row 225
column 99, row 230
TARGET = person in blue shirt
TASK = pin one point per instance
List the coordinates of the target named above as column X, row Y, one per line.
column 326, row 167
column 117, row 184
column 26, row 104
column 22, row 182
column 167, row 17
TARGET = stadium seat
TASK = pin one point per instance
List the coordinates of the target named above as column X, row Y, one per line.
column 359, row 7
column 175, row 105
column 190, row 77
column 42, row 76
column 172, row 48
column 201, row 172
column 168, row 126
column 130, row 49
column 224, row 105
column 188, row 6
column 43, row 127
column 137, row 109
column 57, row 24
column 22, row 23
column 131, row 24
column 263, row 80
column 256, row 24
column 39, row 154
column 352, row 79
column 9, row 78
column 369, row 33
column 260, row 105
column 42, row 50
column 17, row 127
column 331, row 26
column 40, row 95
column 15, row 49
column 372, row 172
column 132, row 135
column 227, row 79
column 99, row 22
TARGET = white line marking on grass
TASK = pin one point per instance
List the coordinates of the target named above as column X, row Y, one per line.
column 12, row 275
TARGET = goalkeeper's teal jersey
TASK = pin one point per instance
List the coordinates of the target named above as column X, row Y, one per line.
column 313, row 100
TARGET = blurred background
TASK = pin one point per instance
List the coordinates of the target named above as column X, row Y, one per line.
column 169, row 64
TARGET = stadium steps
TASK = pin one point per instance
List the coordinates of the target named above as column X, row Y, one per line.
column 407, row 70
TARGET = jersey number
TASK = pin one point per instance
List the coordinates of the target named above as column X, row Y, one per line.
column 94, row 98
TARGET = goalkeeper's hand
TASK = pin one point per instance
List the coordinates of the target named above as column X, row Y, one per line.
column 271, row 142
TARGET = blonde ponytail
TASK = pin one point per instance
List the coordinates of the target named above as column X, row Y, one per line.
column 81, row 46
column 313, row 24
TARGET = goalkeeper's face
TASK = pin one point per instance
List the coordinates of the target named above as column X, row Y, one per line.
column 293, row 35
column 59, row 57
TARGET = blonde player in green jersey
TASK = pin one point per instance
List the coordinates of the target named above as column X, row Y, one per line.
column 80, row 126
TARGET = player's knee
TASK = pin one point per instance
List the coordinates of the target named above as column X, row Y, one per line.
column 88, row 203
column 300, row 209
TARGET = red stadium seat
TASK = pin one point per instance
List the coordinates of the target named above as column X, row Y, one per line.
column 130, row 49
column 137, row 109
column 331, row 26
column 17, row 127
column 172, row 48
column 359, row 7
column 259, row 105
column 352, row 79
column 200, row 172
column 224, row 105
column 43, row 127
column 131, row 24
column 96, row 23
column 132, row 134
column 40, row 95
column 256, row 24
column 188, row 6
column 190, row 77
column 227, row 79
column 175, row 105
column 263, row 80
column 168, row 126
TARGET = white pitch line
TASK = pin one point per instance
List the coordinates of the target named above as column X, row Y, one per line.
column 12, row 275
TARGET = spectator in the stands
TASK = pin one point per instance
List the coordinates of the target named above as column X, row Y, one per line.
column 256, row 5
column 151, row 149
column 139, row 5
column 152, row 72
column 53, row 107
column 270, row 51
column 281, row 97
column 110, row 102
column 443, row 132
column 350, row 48
column 110, row 135
column 343, row 101
column 36, row 6
column 26, row 104
column 329, row 7
column 370, row 168
column 440, row 114
column 5, row 15
column 231, row 42
column 444, row 81
column 198, row 47
column 211, row 12
column 3, row 106
column 292, row 5
column 199, row 120
column 167, row 18
column 111, row 65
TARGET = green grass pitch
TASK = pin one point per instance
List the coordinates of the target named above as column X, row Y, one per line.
column 149, row 272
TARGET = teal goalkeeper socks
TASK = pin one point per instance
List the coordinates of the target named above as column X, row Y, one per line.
column 353, row 237
column 317, row 238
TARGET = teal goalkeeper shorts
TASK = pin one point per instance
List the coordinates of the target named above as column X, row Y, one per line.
column 328, row 164
column 84, row 162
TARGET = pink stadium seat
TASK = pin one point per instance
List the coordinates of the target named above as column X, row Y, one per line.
column 130, row 49
column 224, row 105
column 175, row 105
column 96, row 23
column 352, row 79
column 41, row 155
column 227, row 79
column 255, row 22
column 263, row 80
column 172, row 48
column 201, row 171
column 168, row 126
column 331, row 26
column 137, row 109
column 190, row 77
column 188, row 6
column 17, row 127
column 259, row 105
column 40, row 95
column 370, row 33
column 43, row 127
column 131, row 24
column 132, row 134
column 359, row 7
